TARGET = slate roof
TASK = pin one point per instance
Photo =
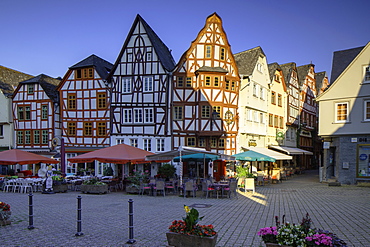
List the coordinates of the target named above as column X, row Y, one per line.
column 9, row 80
column 302, row 72
column 320, row 79
column 272, row 68
column 47, row 83
column 247, row 60
column 287, row 71
column 164, row 54
column 101, row 66
column 341, row 60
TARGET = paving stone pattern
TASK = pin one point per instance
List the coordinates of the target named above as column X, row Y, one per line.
column 344, row 210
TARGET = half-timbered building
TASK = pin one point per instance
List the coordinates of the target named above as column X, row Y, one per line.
column 36, row 114
column 141, row 91
column 206, row 81
column 85, row 115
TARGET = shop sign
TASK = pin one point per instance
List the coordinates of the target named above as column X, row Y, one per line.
column 306, row 133
column 252, row 143
column 363, row 156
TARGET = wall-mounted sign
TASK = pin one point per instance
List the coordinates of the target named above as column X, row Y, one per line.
column 353, row 139
column 252, row 143
column 326, row 145
column 363, row 156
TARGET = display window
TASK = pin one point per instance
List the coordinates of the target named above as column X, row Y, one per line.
column 363, row 160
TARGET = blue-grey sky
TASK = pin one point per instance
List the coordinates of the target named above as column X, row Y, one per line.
column 49, row 36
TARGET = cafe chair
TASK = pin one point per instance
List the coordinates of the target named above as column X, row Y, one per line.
column 189, row 186
column 207, row 188
column 160, row 186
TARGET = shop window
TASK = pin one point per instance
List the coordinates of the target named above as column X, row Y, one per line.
column 363, row 164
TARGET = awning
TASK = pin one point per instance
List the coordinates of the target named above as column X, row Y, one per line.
column 271, row 153
column 198, row 156
column 253, row 156
column 291, row 150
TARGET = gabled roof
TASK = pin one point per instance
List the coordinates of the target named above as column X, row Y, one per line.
column 47, row 83
column 101, row 66
column 164, row 54
column 247, row 60
column 287, row 71
column 341, row 60
column 303, row 72
column 272, row 68
column 320, row 76
column 9, row 80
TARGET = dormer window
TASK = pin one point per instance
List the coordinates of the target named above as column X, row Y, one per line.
column 30, row 88
column 85, row 73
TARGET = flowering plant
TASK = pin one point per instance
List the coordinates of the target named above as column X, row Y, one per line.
column 319, row 240
column 268, row 234
column 4, row 206
column 138, row 176
column 189, row 225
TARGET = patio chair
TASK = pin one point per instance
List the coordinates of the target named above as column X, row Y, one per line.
column 171, row 186
column 144, row 187
column 160, row 186
column 26, row 185
column 232, row 189
column 206, row 188
column 189, row 186
column 8, row 185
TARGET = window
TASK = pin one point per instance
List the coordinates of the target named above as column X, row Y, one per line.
column 30, row 88
column 273, row 98
column 133, row 142
column 129, row 57
column 233, row 85
column 218, row 110
column 148, row 84
column 120, row 141
column 19, row 137
column 126, row 85
column 147, row 144
column 249, row 115
column 206, row 111
column 216, row 82
column 160, row 145
column 149, row 54
column 71, row 128
column 188, row 82
column 367, row 74
column 227, row 85
column 180, row 81
column 213, row 142
column 45, row 137
column 128, row 116
column 28, row 113
column 281, row 122
column 341, row 112
column 44, row 112
column 71, row 101
column 102, row 128
column 190, row 141
column 208, row 81
column 367, row 110
column 20, row 113
column 148, row 115
column 36, row 137
column 221, row 143
column 261, row 118
column 177, row 113
column 276, row 121
column 222, row 53
column 102, row 100
column 255, row 116
column 363, row 169
column 27, row 137
column 85, row 73
column 262, row 93
column 201, row 142
column 259, row 67
column 1, row 130
column 87, row 129
column 208, row 51
column 138, row 115
column 280, row 100
column 271, row 120
column 255, row 89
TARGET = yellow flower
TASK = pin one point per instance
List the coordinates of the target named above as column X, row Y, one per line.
column 187, row 209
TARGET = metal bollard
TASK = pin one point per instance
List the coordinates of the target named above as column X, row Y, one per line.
column 30, row 212
column 79, row 233
column 131, row 222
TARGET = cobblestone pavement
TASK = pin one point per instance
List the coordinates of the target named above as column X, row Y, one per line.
column 344, row 210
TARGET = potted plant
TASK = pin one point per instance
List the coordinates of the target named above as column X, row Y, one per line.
column 166, row 171
column 59, row 184
column 188, row 233
column 5, row 214
column 94, row 186
column 135, row 179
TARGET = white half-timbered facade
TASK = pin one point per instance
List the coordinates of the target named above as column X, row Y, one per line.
column 84, row 100
column 141, row 91
column 36, row 114
column 206, row 81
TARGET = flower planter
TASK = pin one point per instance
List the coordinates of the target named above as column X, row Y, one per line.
column 5, row 218
column 60, row 188
column 94, row 189
column 182, row 240
column 132, row 190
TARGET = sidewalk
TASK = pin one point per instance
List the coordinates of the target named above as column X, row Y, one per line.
column 343, row 210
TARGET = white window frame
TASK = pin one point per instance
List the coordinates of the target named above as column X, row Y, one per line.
column 148, row 84
column 366, row 110
column 147, row 144
column 138, row 115
column 126, row 85
column 127, row 115
column 149, row 115
column 133, row 142
column 120, row 141
column 336, row 112
column 160, row 145
column 366, row 75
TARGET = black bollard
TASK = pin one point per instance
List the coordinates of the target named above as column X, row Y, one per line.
column 30, row 212
column 79, row 233
column 131, row 222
